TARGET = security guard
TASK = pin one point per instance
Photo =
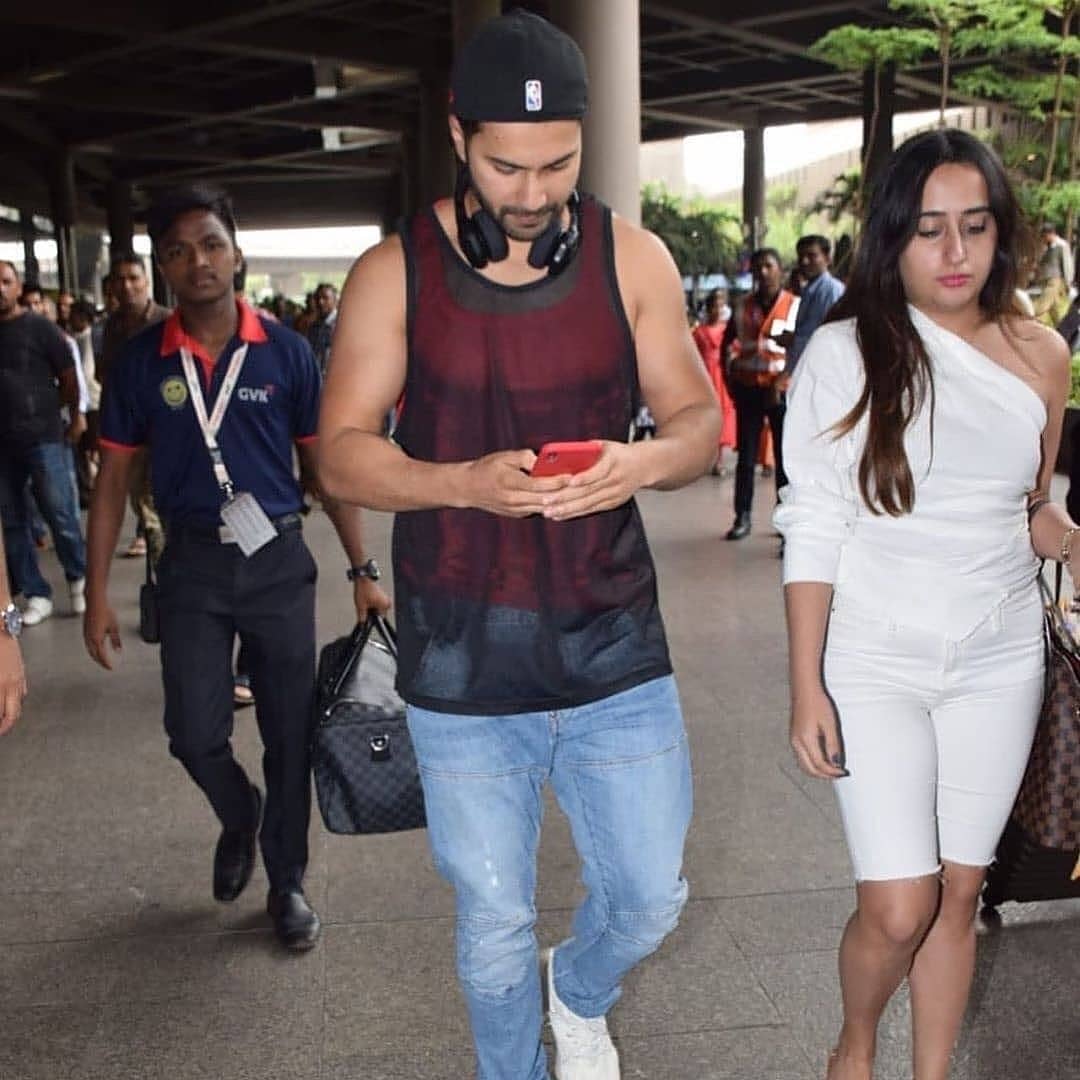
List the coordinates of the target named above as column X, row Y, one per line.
column 220, row 396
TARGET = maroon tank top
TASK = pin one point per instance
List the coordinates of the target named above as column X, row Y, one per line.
column 501, row 615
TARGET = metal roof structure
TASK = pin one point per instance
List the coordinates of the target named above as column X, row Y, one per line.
column 304, row 108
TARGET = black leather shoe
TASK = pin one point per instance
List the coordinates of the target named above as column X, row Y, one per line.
column 234, row 857
column 740, row 529
column 295, row 924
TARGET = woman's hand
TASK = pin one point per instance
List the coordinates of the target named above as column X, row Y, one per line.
column 815, row 736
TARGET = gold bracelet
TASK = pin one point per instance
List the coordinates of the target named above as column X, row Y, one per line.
column 1066, row 544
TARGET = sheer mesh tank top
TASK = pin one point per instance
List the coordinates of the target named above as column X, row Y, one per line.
column 499, row 615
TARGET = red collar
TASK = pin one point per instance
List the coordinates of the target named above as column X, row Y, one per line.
column 249, row 329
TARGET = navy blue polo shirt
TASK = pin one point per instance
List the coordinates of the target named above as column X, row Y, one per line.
column 275, row 403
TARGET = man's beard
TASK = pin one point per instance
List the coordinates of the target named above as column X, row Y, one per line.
column 505, row 218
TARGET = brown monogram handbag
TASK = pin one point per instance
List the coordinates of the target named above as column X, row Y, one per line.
column 1039, row 854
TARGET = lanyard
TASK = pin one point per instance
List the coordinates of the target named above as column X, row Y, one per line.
column 211, row 425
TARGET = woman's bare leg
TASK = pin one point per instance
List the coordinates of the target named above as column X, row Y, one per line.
column 942, row 971
column 876, row 951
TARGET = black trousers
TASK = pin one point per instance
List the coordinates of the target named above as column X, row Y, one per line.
column 208, row 594
column 752, row 405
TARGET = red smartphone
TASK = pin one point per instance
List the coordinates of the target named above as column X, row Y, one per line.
column 563, row 458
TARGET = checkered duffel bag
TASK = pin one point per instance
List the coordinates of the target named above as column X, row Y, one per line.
column 365, row 767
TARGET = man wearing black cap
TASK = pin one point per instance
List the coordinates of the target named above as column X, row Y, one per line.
column 531, row 644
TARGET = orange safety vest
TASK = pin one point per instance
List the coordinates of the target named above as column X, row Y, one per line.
column 756, row 358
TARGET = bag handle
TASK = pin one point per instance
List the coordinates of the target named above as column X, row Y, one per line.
column 1053, row 607
column 149, row 568
column 357, row 640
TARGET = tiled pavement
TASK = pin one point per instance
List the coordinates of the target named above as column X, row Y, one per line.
column 116, row 964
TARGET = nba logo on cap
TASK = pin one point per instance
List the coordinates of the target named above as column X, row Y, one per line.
column 534, row 95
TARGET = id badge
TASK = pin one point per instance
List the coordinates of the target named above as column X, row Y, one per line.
column 248, row 523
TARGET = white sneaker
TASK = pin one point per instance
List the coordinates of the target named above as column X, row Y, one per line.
column 583, row 1047
column 37, row 609
column 77, row 592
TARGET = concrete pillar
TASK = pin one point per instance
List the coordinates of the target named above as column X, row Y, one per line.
column 754, row 186
column 435, row 156
column 28, row 234
column 88, row 259
column 159, row 286
column 607, row 31
column 62, row 193
column 120, row 217
column 877, row 122
column 467, row 15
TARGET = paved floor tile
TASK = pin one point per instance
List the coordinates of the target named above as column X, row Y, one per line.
column 116, row 963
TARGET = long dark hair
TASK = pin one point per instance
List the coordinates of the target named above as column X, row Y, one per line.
column 899, row 379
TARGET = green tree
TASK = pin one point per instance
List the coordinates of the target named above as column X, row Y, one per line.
column 1025, row 34
column 702, row 238
column 858, row 49
column 1020, row 36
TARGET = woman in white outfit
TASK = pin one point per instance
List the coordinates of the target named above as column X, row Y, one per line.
column 922, row 426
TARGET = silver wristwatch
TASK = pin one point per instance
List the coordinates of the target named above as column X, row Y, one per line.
column 11, row 620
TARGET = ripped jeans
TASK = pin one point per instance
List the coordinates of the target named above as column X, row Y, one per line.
column 620, row 770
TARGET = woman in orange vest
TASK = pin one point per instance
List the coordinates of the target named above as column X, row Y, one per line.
column 756, row 374
column 708, row 337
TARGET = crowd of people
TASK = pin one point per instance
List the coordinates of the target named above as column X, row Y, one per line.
column 532, row 647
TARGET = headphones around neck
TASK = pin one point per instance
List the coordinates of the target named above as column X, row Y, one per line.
column 483, row 240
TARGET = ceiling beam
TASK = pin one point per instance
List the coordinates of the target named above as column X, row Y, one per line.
column 138, row 33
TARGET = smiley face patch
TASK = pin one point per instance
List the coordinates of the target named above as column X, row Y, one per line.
column 174, row 392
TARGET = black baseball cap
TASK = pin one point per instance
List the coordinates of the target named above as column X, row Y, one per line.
column 518, row 67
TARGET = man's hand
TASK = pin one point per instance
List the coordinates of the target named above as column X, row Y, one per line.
column 500, row 483
column 368, row 598
column 12, row 682
column 76, row 429
column 612, row 481
column 99, row 624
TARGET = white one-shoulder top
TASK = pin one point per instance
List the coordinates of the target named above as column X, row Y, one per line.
column 965, row 547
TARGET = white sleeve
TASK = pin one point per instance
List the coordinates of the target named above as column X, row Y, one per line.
column 820, row 503
column 80, row 378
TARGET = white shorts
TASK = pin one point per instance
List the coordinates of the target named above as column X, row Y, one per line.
column 936, row 734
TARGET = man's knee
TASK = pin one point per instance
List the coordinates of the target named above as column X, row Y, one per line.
column 195, row 747
column 497, row 955
column 644, row 921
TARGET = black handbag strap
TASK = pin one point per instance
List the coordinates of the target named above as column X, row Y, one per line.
column 149, row 568
column 357, row 640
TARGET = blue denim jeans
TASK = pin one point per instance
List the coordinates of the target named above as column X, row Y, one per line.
column 48, row 468
column 620, row 770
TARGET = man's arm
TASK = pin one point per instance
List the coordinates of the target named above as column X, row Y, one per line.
column 102, row 529
column 12, row 674
column 346, row 519
column 673, row 383
column 366, row 377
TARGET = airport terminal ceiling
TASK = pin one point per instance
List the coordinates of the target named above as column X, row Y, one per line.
column 308, row 110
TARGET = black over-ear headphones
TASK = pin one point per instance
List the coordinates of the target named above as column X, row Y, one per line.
column 482, row 239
